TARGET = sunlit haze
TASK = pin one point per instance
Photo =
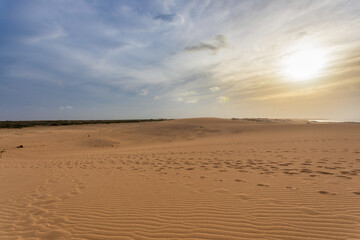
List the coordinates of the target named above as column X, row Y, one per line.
column 178, row 59
column 304, row 64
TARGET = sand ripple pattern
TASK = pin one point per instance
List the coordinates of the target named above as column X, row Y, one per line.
column 298, row 187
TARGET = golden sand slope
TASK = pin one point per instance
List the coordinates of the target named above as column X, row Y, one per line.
column 181, row 179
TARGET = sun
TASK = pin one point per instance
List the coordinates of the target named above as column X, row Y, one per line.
column 304, row 64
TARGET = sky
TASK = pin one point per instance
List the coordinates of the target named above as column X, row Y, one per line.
column 77, row 59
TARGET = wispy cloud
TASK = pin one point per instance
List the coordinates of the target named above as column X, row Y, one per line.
column 65, row 107
column 175, row 18
column 166, row 17
column 143, row 92
column 218, row 42
column 222, row 99
column 214, row 89
column 192, row 101
column 52, row 32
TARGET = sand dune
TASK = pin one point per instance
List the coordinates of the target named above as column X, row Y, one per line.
column 200, row 178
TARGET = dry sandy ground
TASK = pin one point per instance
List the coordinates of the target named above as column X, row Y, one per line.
column 181, row 179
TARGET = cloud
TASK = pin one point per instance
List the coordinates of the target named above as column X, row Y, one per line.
column 171, row 18
column 219, row 41
column 51, row 32
column 214, row 89
column 166, row 17
column 188, row 97
column 143, row 92
column 222, row 99
column 192, row 100
column 65, row 107
column 186, row 93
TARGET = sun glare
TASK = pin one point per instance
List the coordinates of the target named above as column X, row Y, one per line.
column 304, row 64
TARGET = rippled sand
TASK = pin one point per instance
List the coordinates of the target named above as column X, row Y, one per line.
column 181, row 179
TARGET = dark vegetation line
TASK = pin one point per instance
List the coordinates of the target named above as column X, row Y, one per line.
column 22, row 124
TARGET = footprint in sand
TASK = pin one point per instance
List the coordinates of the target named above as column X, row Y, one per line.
column 220, row 190
column 325, row 173
column 239, row 180
column 243, row 196
column 342, row 176
column 56, row 234
column 308, row 211
column 326, row 193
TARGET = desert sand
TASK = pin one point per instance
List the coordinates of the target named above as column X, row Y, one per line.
column 203, row 178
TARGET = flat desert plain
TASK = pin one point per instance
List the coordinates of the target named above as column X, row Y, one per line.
column 203, row 178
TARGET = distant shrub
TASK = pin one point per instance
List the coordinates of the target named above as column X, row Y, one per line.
column 21, row 124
